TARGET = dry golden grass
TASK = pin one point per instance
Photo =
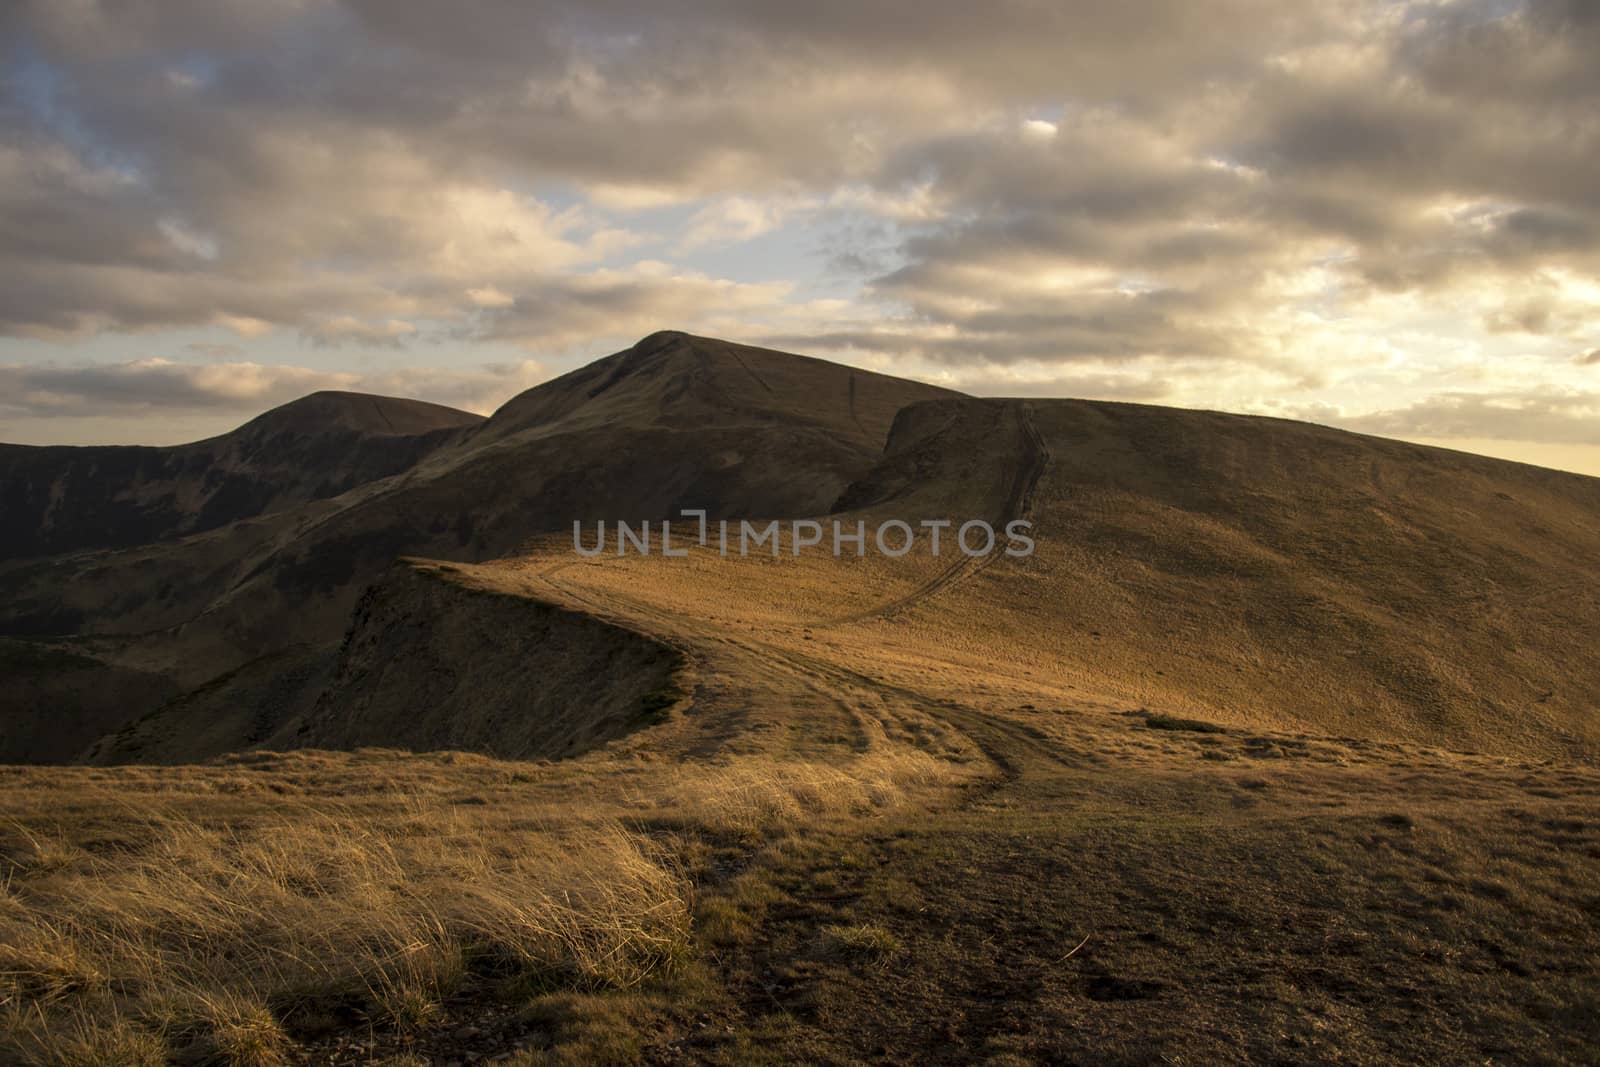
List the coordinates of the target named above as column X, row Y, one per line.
column 216, row 935
column 754, row 799
column 1267, row 856
column 133, row 928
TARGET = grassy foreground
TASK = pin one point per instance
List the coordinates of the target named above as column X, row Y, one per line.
column 1111, row 888
column 244, row 912
column 876, row 840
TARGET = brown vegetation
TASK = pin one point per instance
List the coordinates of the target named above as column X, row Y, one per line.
column 238, row 912
column 1281, row 747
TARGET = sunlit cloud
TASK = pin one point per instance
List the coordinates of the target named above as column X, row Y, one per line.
column 1381, row 212
column 160, row 386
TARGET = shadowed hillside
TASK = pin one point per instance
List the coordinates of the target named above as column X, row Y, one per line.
column 60, row 499
column 427, row 665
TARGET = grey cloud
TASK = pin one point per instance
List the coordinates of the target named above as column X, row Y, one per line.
column 1541, row 53
column 158, row 385
column 1541, row 231
column 212, row 349
column 1566, row 418
column 347, row 170
column 626, row 91
column 1531, row 317
column 620, row 305
column 1396, row 126
column 1060, row 330
column 1371, row 131
column 1351, row 157
column 161, row 384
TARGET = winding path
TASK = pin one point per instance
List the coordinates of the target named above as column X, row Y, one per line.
column 1033, row 459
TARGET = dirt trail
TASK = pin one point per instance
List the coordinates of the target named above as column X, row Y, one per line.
column 1112, row 885
column 740, row 678
column 1033, row 457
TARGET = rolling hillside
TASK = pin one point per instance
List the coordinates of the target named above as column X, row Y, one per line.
column 1250, row 570
column 1281, row 745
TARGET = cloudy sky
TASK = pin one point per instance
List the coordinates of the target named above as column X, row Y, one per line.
column 1384, row 216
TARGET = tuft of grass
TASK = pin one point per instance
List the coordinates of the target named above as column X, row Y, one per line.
column 1157, row 720
column 754, row 799
column 246, row 1034
column 865, row 941
column 80, row 1041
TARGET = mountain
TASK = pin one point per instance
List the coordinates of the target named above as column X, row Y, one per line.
column 1240, row 569
column 62, row 499
column 674, row 421
column 1248, row 573
column 1262, row 571
column 1280, row 738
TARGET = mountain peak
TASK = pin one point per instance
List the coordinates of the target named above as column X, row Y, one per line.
column 673, row 378
column 661, row 340
column 367, row 413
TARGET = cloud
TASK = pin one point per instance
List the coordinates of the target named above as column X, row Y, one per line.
column 161, row 385
column 157, row 383
column 1292, row 203
column 346, row 328
column 735, row 219
column 1567, row 418
column 626, row 303
column 490, row 297
column 213, row 349
column 332, row 160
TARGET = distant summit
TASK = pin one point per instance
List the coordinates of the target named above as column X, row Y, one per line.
column 58, row 498
column 670, row 378
column 332, row 410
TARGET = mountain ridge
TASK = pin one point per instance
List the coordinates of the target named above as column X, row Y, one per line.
column 1273, row 558
column 666, row 432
